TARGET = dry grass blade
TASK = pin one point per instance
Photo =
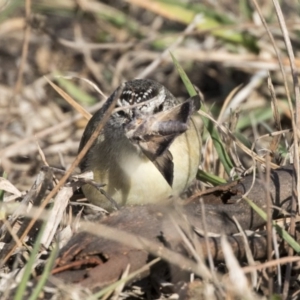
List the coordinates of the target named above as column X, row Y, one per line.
column 110, row 288
column 277, row 254
column 25, row 47
column 7, row 186
column 119, row 289
column 91, row 83
column 36, row 192
column 239, row 144
column 11, row 150
column 269, row 221
column 210, row 260
column 244, row 92
column 238, row 280
column 225, row 105
column 158, row 8
column 152, row 247
column 272, row 263
column 249, row 254
column 56, row 215
column 276, row 140
column 296, row 126
column 249, row 61
column 70, row 100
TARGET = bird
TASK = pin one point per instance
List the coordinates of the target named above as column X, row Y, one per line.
column 149, row 149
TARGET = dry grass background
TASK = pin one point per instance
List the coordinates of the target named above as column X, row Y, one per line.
column 220, row 45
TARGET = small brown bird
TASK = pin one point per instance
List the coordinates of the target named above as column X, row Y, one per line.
column 145, row 153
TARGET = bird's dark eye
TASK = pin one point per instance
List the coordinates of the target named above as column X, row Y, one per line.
column 158, row 108
column 121, row 113
column 123, row 116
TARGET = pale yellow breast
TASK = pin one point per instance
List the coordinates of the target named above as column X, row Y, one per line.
column 133, row 179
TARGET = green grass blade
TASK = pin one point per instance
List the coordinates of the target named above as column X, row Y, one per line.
column 76, row 93
column 184, row 13
column 283, row 233
column 42, row 281
column 28, row 269
column 187, row 83
column 218, row 144
column 257, row 116
column 9, row 8
column 211, row 178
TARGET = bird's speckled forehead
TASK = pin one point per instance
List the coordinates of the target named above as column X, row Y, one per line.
column 139, row 90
